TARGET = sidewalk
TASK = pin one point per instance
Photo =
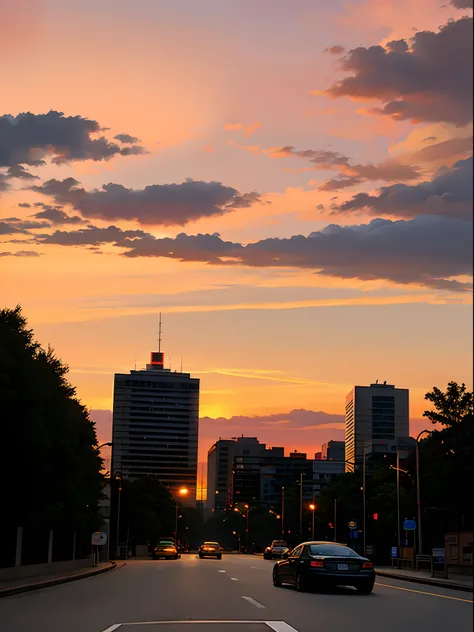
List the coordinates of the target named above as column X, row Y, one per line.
column 25, row 584
column 455, row 582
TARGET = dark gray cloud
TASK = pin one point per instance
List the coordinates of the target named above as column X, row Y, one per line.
column 9, row 229
column 26, row 224
column 427, row 250
column 56, row 216
column 449, row 193
column 461, row 4
column 158, row 204
column 430, row 80
column 92, row 236
column 335, row 50
column 28, row 139
column 21, row 253
column 351, row 174
column 127, row 139
column 18, row 171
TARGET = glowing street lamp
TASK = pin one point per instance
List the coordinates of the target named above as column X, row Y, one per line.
column 313, row 508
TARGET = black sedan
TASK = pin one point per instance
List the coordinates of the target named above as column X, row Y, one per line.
column 324, row 564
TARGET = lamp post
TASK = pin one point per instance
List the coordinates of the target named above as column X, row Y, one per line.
column 399, row 469
column 312, row 507
column 301, row 507
column 335, row 520
column 418, row 496
column 118, row 477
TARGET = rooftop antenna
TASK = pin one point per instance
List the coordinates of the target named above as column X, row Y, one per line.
column 181, row 364
column 376, row 381
column 159, row 335
column 135, row 364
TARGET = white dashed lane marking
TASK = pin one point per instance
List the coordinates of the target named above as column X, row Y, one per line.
column 255, row 603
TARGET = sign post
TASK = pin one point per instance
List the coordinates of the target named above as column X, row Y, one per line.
column 98, row 539
column 438, row 563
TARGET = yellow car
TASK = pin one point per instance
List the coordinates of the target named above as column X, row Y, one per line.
column 165, row 549
column 210, row 549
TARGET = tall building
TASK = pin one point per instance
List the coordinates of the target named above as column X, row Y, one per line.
column 333, row 451
column 379, row 412
column 220, row 463
column 155, row 426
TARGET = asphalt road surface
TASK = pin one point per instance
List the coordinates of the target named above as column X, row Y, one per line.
column 234, row 594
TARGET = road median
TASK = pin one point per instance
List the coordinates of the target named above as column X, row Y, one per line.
column 59, row 579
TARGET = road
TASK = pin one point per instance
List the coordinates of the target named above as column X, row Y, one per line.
column 237, row 587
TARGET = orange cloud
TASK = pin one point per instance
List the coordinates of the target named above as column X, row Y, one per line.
column 247, row 130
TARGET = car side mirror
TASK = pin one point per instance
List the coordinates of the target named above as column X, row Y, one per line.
column 285, row 555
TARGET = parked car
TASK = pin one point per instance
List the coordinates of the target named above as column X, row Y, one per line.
column 210, row 549
column 276, row 549
column 165, row 549
column 324, row 564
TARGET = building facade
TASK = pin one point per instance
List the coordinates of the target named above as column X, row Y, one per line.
column 155, row 426
column 379, row 412
column 333, row 451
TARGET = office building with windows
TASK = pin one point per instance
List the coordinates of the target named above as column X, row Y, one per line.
column 155, row 426
column 333, row 451
column 376, row 413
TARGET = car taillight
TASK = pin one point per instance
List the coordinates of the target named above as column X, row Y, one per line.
column 367, row 565
column 317, row 564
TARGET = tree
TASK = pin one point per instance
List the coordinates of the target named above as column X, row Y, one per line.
column 451, row 407
column 49, row 459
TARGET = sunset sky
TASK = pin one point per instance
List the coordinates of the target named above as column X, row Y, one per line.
column 288, row 181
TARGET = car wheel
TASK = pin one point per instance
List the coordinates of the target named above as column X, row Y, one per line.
column 276, row 580
column 200, row 556
column 219, row 557
column 365, row 589
column 300, row 583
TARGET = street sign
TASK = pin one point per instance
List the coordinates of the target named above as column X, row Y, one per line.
column 352, row 524
column 409, row 525
column 394, row 551
column 438, row 556
column 369, row 549
column 99, row 538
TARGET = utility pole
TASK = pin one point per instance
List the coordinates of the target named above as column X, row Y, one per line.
column 283, row 513
column 364, row 539
column 301, row 507
column 418, row 494
column 335, row 520
column 398, row 505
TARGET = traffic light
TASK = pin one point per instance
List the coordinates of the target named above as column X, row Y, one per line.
column 331, row 526
column 376, row 516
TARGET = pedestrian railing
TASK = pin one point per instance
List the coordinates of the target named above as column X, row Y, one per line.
column 424, row 562
column 402, row 562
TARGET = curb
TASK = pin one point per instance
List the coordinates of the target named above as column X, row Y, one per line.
column 6, row 592
column 425, row 580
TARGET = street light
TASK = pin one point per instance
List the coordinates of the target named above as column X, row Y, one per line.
column 312, row 507
column 283, row 512
column 118, row 477
column 103, row 445
column 418, row 497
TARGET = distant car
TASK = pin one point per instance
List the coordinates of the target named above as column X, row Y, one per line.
column 165, row 549
column 276, row 549
column 324, row 564
column 210, row 549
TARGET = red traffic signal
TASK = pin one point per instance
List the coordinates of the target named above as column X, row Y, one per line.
column 331, row 526
column 376, row 516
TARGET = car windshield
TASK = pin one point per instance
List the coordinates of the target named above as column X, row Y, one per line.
column 279, row 543
column 332, row 550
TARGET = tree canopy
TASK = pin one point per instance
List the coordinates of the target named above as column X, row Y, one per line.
column 49, row 459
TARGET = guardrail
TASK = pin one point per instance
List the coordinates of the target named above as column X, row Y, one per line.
column 426, row 560
column 402, row 562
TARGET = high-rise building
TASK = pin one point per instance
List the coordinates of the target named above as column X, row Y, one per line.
column 155, row 426
column 333, row 451
column 379, row 412
column 220, row 463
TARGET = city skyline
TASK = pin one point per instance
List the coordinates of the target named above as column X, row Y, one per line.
column 263, row 174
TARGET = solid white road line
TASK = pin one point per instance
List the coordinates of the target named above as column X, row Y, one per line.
column 113, row 627
column 234, row 579
column 257, row 604
column 222, row 571
column 280, row 626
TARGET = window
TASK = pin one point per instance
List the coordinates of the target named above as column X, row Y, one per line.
column 331, row 550
column 297, row 552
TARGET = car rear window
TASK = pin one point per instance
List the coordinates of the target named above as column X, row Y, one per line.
column 167, row 542
column 279, row 543
column 211, row 544
column 332, row 550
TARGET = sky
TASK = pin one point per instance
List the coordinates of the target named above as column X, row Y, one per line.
column 289, row 183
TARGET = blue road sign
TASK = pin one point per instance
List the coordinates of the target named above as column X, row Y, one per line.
column 409, row 525
column 394, row 551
